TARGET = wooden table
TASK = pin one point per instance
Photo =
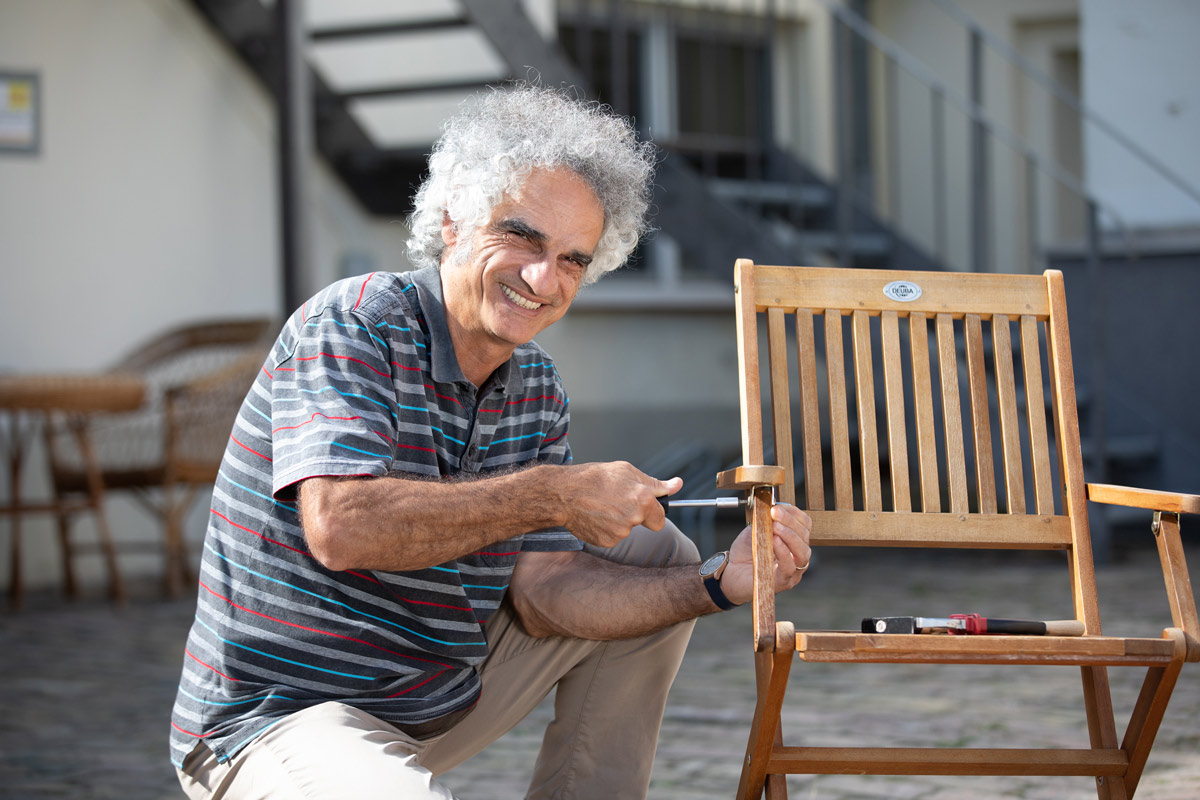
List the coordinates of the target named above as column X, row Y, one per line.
column 28, row 401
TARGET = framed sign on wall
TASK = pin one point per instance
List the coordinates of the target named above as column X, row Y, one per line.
column 20, row 106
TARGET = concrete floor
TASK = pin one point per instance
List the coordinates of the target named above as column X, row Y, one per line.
column 86, row 689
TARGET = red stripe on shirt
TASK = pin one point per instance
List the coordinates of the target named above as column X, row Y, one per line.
column 189, row 733
column 363, row 289
column 259, row 535
column 418, row 686
column 309, row 421
column 344, row 358
column 210, row 666
column 239, row 444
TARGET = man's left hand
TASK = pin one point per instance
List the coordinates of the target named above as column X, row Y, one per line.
column 791, row 528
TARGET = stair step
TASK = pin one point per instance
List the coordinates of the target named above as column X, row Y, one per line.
column 862, row 243
column 793, row 194
column 398, row 28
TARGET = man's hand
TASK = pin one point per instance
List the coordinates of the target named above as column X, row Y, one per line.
column 791, row 528
column 604, row 501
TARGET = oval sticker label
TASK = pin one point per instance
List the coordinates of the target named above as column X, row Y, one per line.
column 902, row 291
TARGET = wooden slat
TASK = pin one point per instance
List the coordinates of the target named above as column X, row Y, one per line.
column 747, row 345
column 868, row 431
column 839, row 425
column 781, row 403
column 847, row 290
column 956, row 458
column 877, row 648
column 944, row 761
column 897, row 434
column 981, row 422
column 810, row 420
column 931, row 499
column 1035, row 407
column 966, row 531
column 1010, row 433
column 1062, row 383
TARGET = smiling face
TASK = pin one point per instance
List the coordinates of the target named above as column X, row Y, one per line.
column 519, row 272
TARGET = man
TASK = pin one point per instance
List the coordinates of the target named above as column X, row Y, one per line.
column 401, row 560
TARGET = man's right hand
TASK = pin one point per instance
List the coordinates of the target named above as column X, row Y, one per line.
column 605, row 500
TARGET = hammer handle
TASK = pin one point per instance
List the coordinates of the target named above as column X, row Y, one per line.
column 1027, row 627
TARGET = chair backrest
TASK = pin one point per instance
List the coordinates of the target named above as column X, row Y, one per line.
column 964, row 415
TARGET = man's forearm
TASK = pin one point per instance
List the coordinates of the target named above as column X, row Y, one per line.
column 580, row 595
column 399, row 524
column 403, row 524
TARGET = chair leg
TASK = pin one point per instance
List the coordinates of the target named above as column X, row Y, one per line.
column 1148, row 714
column 116, row 588
column 14, row 443
column 777, row 784
column 1102, row 728
column 66, row 550
column 771, row 670
column 177, row 573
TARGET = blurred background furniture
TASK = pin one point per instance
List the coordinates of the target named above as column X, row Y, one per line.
column 32, row 401
column 170, row 447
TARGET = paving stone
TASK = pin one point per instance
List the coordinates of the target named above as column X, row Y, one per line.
column 87, row 689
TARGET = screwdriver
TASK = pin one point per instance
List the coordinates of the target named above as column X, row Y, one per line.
column 714, row 502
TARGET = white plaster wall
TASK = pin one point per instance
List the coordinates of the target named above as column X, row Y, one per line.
column 1140, row 63
column 152, row 202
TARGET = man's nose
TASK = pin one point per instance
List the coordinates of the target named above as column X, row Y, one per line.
column 541, row 273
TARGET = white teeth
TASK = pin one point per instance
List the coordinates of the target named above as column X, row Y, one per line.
column 521, row 301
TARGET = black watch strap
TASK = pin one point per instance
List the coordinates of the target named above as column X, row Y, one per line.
column 713, row 585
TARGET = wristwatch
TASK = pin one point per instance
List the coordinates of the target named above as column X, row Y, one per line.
column 710, row 573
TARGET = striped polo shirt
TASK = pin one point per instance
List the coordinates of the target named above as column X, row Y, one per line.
column 362, row 381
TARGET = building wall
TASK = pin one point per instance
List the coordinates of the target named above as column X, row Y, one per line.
column 152, row 202
column 1149, row 91
column 153, row 199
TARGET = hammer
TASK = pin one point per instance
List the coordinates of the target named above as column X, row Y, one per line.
column 973, row 624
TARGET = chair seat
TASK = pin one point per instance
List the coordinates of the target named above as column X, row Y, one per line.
column 866, row 648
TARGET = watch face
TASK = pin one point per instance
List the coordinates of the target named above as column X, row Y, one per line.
column 713, row 563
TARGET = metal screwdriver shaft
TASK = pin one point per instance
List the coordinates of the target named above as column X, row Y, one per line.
column 714, row 502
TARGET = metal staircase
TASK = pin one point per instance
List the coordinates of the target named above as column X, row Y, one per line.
column 789, row 216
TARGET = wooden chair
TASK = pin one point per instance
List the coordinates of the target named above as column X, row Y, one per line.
column 957, row 456
column 196, row 377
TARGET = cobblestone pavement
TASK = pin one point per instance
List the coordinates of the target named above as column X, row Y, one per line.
column 86, row 690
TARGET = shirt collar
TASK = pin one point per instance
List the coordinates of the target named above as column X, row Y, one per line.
column 443, row 360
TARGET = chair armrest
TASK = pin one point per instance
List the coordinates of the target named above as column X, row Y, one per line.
column 748, row 477
column 1167, row 507
column 1169, row 502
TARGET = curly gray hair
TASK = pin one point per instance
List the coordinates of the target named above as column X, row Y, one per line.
column 490, row 146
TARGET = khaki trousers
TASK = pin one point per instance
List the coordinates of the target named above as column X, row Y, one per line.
column 608, row 706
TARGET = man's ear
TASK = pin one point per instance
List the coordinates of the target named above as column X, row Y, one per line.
column 449, row 234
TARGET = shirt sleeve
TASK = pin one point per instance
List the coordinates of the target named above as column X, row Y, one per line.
column 333, row 403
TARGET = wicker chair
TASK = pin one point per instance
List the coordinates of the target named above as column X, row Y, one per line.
column 196, row 377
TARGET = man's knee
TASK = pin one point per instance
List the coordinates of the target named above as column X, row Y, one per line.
column 646, row 548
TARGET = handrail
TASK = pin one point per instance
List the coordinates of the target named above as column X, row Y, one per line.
column 968, row 107
column 1014, row 57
